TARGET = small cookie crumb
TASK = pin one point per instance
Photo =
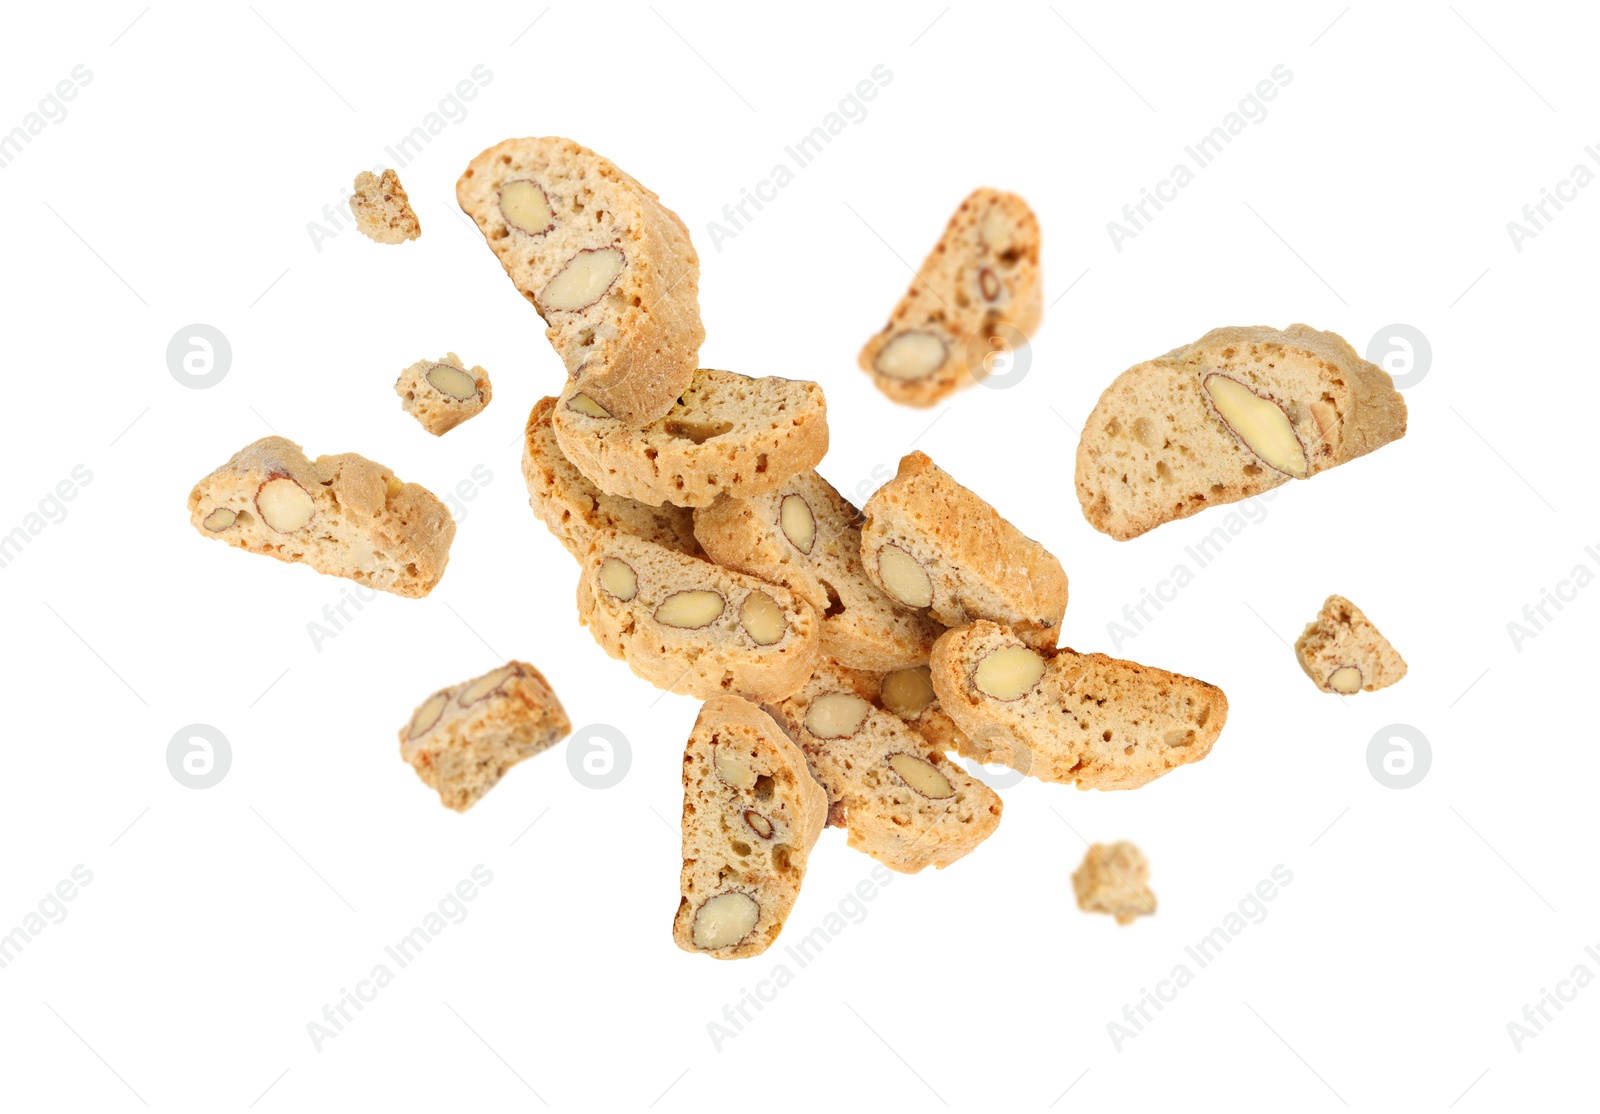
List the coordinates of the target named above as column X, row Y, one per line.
column 441, row 394
column 1114, row 878
column 382, row 209
column 1342, row 652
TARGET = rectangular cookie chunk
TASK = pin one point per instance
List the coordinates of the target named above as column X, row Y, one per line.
column 463, row 739
column 929, row 542
column 342, row 515
column 441, row 394
column 1342, row 652
column 573, row 509
column 806, row 537
column 609, row 268
column 751, row 814
column 694, row 628
column 1069, row 717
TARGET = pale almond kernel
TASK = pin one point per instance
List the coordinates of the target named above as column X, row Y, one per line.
column 907, row 692
column 912, row 355
column 691, row 609
column 799, row 525
column 903, row 578
column 733, row 770
column 583, row 281
column 618, row 578
column 724, row 920
column 486, row 686
column 1259, row 423
column 836, row 715
column 284, row 504
column 1345, row 680
column 428, row 715
column 219, row 520
column 583, row 404
column 1008, row 673
column 923, row 777
column 762, row 619
column 525, row 207
column 452, row 381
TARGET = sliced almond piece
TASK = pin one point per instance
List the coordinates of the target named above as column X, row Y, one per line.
column 912, row 355
column 923, row 777
column 907, row 692
column 724, row 920
column 799, row 525
column 1259, row 423
column 762, row 619
column 486, row 686
column 758, row 824
column 583, row 404
column 618, row 578
column 691, row 609
column 1008, row 673
column 218, row 520
column 836, row 715
column 996, row 231
column 733, row 770
column 525, row 207
column 583, row 281
column 1345, row 680
column 284, row 504
column 451, row 381
column 428, row 715
column 903, row 578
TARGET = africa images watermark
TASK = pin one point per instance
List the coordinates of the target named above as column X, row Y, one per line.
column 1252, row 109
column 51, row 910
column 52, row 109
column 1536, row 215
column 802, row 153
column 1536, row 1015
column 1543, row 611
column 51, row 511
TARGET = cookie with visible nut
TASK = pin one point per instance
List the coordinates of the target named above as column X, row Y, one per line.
column 1114, row 878
column 896, row 794
column 1236, row 413
column 1068, row 717
column 727, row 434
column 1342, row 652
column 981, row 281
column 607, row 266
column 805, row 536
column 463, row 739
column 691, row 627
column 342, row 515
column 751, row 814
column 441, row 394
column 382, row 210
column 931, row 543
column 573, row 509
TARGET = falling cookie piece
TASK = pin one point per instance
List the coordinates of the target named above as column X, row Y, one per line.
column 382, row 209
column 463, row 739
column 1114, row 878
column 1342, row 652
column 441, row 394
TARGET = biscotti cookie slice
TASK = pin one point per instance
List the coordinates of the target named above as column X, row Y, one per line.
column 807, row 537
column 463, row 739
column 980, row 281
column 899, row 798
column 929, row 542
column 1342, row 652
column 695, row 628
column 1236, row 413
column 1114, row 878
column 343, row 515
column 727, row 435
column 441, row 394
column 573, row 509
column 609, row 268
column 1070, row 717
column 751, row 814
column 382, row 210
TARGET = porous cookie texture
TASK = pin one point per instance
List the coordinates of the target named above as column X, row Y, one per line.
column 463, row 739
column 1114, row 878
column 1342, row 652
column 443, row 393
column 382, row 210
column 1069, row 717
column 896, row 795
column 806, row 537
column 751, row 814
column 343, row 515
column 727, row 435
column 573, row 509
column 609, row 268
column 692, row 627
column 981, row 281
column 1236, row 413
column 931, row 543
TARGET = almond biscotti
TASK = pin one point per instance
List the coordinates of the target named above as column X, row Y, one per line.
column 343, row 515
column 751, row 814
column 463, row 739
column 609, row 268
column 1342, row 652
column 899, row 798
column 1236, row 413
column 1069, row 717
column 691, row 627
column 806, row 537
column 727, row 435
column 981, row 280
column 1114, row 878
column 382, row 210
column 573, row 509
column 441, row 394
column 931, row 543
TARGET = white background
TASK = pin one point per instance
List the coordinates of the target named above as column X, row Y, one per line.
column 1376, row 191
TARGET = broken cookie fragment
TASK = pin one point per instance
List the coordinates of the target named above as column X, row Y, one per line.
column 441, row 394
column 1114, row 878
column 1342, row 652
column 382, row 210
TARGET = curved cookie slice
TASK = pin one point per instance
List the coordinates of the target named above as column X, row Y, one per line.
column 343, row 515
column 727, row 435
column 441, row 394
column 929, row 542
column 899, row 798
column 609, row 268
column 463, row 739
column 807, row 537
column 1065, row 716
column 1236, row 413
column 573, row 509
column 751, row 814
column 1342, row 652
column 691, row 627
column 981, row 281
